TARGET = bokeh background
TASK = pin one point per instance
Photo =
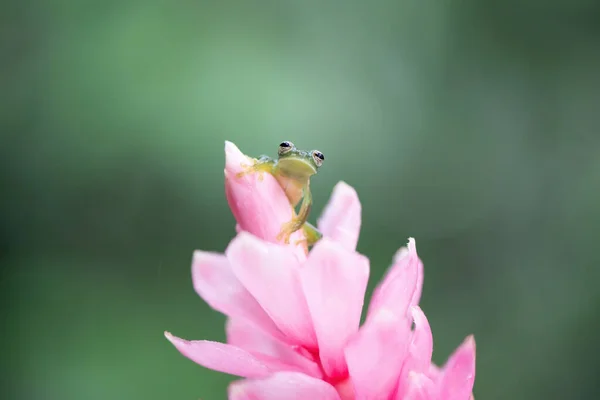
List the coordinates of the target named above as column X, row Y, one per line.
column 471, row 125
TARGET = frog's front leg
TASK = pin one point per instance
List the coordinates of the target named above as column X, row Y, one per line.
column 299, row 220
column 261, row 165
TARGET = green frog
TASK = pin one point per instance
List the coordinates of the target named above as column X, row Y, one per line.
column 293, row 169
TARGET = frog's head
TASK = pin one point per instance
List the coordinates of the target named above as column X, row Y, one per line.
column 298, row 163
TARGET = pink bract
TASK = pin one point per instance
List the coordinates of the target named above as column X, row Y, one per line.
column 293, row 316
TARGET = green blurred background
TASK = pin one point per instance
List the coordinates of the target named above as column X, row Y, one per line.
column 470, row 125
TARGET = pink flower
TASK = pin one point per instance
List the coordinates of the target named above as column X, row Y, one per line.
column 293, row 316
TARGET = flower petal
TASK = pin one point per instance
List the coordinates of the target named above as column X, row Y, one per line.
column 419, row 387
column 270, row 273
column 334, row 282
column 433, row 372
column 341, row 218
column 458, row 375
column 418, row 360
column 283, row 386
column 246, row 336
column 260, row 206
column 375, row 355
column 228, row 359
column 216, row 283
column 401, row 288
column 421, row 346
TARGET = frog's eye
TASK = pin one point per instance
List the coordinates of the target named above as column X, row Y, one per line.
column 318, row 157
column 285, row 146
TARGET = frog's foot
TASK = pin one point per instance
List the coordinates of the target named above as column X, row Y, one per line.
column 288, row 228
column 301, row 241
column 256, row 167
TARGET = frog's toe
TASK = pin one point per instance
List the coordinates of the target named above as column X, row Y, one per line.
column 301, row 241
column 246, row 169
column 242, row 173
column 284, row 236
column 286, row 231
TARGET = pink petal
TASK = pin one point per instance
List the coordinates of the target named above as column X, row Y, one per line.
column 216, row 283
column 259, row 207
column 341, row 218
column 401, row 288
column 421, row 346
column 283, row 386
column 418, row 360
column 433, row 372
column 270, row 273
column 419, row 387
column 376, row 354
column 228, row 359
column 345, row 389
column 412, row 249
column 334, row 282
column 458, row 375
column 246, row 336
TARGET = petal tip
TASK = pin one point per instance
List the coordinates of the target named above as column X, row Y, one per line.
column 235, row 391
column 415, row 311
column 341, row 217
column 345, row 191
column 412, row 245
column 343, row 186
column 170, row 337
column 409, row 250
column 197, row 255
column 464, row 355
column 200, row 260
column 234, row 158
column 178, row 342
column 469, row 343
column 230, row 146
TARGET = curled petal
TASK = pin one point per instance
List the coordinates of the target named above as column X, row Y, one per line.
column 257, row 201
column 418, row 360
column 216, row 283
column 283, row 386
column 421, row 346
column 376, row 354
column 401, row 287
column 334, row 282
column 412, row 250
column 270, row 273
column 244, row 335
column 228, row 359
column 341, row 218
column 458, row 375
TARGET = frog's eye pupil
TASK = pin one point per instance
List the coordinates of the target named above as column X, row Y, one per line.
column 318, row 157
column 285, row 147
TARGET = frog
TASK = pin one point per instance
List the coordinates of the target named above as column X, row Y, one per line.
column 293, row 169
